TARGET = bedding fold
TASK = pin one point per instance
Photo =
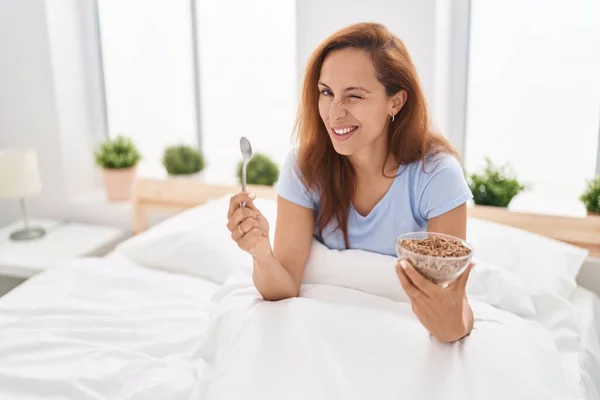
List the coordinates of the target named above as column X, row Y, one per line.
column 351, row 334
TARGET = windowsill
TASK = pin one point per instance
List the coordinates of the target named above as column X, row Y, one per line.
column 523, row 208
column 535, row 205
column 97, row 198
column 522, row 203
column 94, row 207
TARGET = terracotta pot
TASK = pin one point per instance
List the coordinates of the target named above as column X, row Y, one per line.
column 119, row 183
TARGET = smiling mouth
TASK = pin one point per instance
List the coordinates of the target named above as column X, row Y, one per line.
column 344, row 131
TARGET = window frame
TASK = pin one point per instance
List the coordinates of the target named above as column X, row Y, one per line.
column 458, row 65
column 95, row 45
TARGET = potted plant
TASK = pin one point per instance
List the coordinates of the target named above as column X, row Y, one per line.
column 591, row 196
column 261, row 170
column 118, row 159
column 183, row 160
column 495, row 186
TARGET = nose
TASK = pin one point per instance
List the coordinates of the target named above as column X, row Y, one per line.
column 337, row 110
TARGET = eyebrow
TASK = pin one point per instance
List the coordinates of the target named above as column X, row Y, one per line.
column 348, row 88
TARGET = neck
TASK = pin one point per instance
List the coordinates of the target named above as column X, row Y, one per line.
column 369, row 162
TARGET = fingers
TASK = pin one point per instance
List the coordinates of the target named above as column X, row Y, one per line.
column 418, row 280
column 411, row 290
column 245, row 227
column 461, row 282
column 248, row 224
column 236, row 200
column 240, row 216
column 249, row 240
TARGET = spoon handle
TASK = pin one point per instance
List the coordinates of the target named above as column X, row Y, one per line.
column 244, row 177
column 243, row 204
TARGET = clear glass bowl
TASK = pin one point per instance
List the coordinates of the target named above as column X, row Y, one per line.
column 440, row 270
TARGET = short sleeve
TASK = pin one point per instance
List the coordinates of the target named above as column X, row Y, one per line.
column 442, row 186
column 290, row 185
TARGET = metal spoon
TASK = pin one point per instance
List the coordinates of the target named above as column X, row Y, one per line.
column 246, row 149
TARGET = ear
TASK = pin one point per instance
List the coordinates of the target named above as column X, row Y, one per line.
column 397, row 101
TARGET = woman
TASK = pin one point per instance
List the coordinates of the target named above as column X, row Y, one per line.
column 368, row 168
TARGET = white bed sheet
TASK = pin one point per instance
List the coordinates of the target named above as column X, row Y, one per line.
column 103, row 329
column 108, row 328
column 588, row 305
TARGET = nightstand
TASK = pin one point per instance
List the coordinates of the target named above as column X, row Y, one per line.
column 63, row 241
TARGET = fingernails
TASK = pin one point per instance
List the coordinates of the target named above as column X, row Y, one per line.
column 403, row 264
column 252, row 195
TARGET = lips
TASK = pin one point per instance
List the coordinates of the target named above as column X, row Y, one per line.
column 341, row 133
column 344, row 130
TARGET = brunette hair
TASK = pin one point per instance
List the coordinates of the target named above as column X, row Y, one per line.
column 410, row 135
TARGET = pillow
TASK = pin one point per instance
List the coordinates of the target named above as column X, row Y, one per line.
column 356, row 269
column 540, row 262
column 375, row 274
column 195, row 242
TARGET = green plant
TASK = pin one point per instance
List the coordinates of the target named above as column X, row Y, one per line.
column 260, row 171
column 496, row 186
column 591, row 196
column 117, row 153
column 182, row 160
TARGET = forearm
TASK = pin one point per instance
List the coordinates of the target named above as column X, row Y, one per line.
column 272, row 280
column 468, row 319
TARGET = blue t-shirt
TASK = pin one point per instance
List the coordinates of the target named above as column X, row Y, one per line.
column 414, row 197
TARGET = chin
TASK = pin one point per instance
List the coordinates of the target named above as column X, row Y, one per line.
column 343, row 150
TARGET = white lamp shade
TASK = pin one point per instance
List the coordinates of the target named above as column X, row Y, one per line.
column 19, row 174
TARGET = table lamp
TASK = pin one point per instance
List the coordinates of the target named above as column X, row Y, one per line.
column 20, row 178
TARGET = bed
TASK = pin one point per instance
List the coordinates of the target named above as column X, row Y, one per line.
column 137, row 323
column 588, row 305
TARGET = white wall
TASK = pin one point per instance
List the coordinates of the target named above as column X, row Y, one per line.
column 49, row 102
column 413, row 21
column 27, row 105
column 71, row 95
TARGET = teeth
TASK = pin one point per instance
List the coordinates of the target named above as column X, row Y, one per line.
column 344, row 131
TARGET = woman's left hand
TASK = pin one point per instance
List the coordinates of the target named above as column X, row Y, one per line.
column 445, row 312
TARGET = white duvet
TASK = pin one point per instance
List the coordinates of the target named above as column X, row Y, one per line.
column 352, row 335
column 103, row 329
column 110, row 329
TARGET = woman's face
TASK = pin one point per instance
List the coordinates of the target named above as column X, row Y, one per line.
column 353, row 104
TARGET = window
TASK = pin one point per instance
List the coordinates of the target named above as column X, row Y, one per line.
column 534, row 96
column 245, row 69
column 247, row 62
column 148, row 67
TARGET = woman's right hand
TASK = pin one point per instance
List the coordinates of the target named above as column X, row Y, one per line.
column 248, row 227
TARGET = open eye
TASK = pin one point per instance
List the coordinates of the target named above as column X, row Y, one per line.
column 326, row 92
